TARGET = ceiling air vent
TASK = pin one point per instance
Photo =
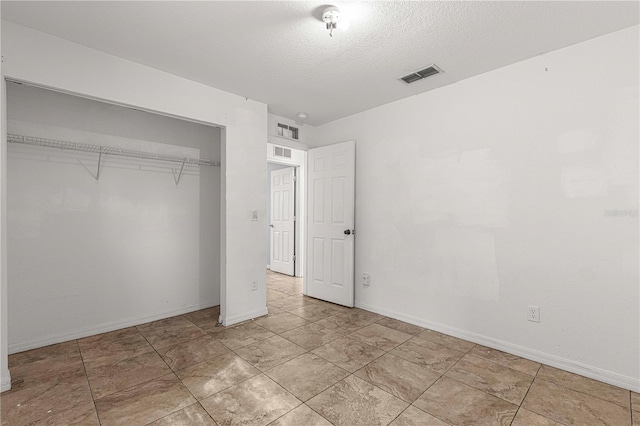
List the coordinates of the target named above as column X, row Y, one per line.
column 279, row 151
column 420, row 74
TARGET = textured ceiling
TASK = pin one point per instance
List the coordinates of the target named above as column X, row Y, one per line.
column 281, row 54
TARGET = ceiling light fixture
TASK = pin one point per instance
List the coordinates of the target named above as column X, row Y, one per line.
column 334, row 19
column 303, row 115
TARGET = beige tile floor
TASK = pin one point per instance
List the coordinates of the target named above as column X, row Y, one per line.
column 307, row 363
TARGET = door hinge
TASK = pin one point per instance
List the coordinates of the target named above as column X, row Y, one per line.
column 294, row 257
column 294, row 219
column 295, row 178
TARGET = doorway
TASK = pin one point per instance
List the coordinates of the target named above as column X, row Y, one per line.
column 330, row 200
column 282, row 196
column 285, row 210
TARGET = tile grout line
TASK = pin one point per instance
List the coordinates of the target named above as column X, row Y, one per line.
column 86, row 375
column 525, row 396
column 388, row 352
column 217, row 356
column 178, row 377
column 320, row 414
column 503, row 365
column 198, row 401
column 171, row 369
column 385, row 352
column 429, row 369
column 438, row 379
column 584, row 393
column 309, row 351
column 335, row 365
column 451, row 378
column 155, row 378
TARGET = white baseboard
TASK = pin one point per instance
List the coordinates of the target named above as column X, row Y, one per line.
column 235, row 319
column 103, row 328
column 606, row 376
column 5, row 381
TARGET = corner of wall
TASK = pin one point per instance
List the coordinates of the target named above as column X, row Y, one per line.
column 245, row 316
column 5, row 376
column 5, row 381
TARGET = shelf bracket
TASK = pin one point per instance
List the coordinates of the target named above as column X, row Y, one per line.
column 177, row 177
column 95, row 175
column 99, row 165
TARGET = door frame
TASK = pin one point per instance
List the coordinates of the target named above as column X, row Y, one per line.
column 288, row 239
column 299, row 161
column 5, row 374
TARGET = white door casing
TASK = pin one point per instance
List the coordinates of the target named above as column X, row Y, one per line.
column 282, row 220
column 331, row 223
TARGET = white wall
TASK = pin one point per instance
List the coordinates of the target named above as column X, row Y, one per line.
column 478, row 199
column 86, row 257
column 48, row 61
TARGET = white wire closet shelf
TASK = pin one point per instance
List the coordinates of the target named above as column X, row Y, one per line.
column 107, row 150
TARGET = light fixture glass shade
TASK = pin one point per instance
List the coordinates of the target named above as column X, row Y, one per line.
column 331, row 15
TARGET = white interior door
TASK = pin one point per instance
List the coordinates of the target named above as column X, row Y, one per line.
column 282, row 220
column 330, row 236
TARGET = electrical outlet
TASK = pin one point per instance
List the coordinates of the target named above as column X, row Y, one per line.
column 254, row 286
column 533, row 314
column 366, row 279
column 254, row 215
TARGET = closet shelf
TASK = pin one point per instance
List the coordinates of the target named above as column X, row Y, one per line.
column 107, row 150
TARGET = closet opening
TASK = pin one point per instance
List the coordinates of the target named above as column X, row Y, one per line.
column 113, row 216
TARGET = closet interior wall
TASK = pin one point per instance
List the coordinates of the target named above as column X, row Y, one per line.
column 86, row 255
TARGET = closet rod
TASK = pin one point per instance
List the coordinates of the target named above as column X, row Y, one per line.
column 107, row 150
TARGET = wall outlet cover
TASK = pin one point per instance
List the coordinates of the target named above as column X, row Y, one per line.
column 533, row 313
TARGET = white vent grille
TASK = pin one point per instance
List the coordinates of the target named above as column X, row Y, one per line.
column 286, row 131
column 279, row 151
column 421, row 74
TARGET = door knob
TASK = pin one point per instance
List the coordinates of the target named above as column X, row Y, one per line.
column 347, row 232
column 271, row 225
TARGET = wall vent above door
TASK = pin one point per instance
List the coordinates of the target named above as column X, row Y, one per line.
column 421, row 74
column 287, row 131
column 279, row 151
